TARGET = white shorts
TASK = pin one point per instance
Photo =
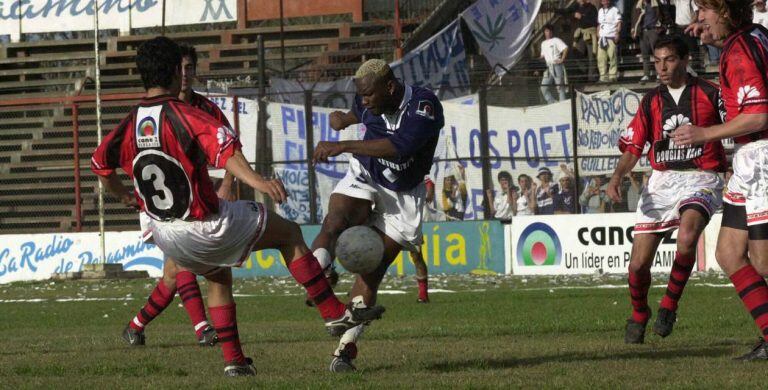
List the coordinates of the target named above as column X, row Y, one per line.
column 748, row 187
column 221, row 240
column 397, row 214
column 660, row 203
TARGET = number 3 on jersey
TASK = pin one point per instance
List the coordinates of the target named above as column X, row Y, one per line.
column 162, row 184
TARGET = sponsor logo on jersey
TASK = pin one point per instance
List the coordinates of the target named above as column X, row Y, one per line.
column 147, row 133
column 426, row 109
column 747, row 92
column 224, row 134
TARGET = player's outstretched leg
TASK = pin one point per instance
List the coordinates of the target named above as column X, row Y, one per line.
column 286, row 236
column 189, row 291
column 161, row 297
column 643, row 249
column 422, row 276
column 692, row 222
column 221, row 305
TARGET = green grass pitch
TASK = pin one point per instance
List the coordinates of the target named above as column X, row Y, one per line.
column 490, row 332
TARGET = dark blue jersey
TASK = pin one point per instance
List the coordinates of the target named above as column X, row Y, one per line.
column 413, row 130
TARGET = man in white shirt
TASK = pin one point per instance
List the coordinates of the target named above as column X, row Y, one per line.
column 686, row 13
column 553, row 51
column 609, row 26
column 759, row 13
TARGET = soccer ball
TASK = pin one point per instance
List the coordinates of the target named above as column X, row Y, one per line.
column 359, row 249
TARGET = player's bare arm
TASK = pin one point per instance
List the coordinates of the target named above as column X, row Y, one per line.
column 740, row 125
column 239, row 167
column 374, row 148
column 626, row 163
column 339, row 120
column 114, row 185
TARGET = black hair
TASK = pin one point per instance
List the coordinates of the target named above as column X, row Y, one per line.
column 549, row 27
column 158, row 60
column 505, row 175
column 672, row 42
column 188, row 50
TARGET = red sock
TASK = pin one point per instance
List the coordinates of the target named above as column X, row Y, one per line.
column 160, row 298
column 639, row 283
column 189, row 291
column 306, row 270
column 753, row 291
column 423, row 288
column 681, row 271
column 225, row 322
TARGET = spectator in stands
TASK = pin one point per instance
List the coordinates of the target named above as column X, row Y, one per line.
column 585, row 34
column 646, row 25
column 637, row 181
column 727, row 176
column 593, row 199
column 455, row 194
column 545, row 204
column 431, row 214
column 553, row 51
column 563, row 193
column 609, row 27
column 526, row 202
column 502, row 207
column 686, row 13
column 759, row 13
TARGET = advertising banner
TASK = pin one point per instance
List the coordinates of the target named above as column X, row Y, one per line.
column 449, row 248
column 589, row 243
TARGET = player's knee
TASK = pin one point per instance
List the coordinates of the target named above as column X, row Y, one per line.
column 760, row 262
column 686, row 242
column 293, row 232
column 638, row 266
column 335, row 224
column 729, row 260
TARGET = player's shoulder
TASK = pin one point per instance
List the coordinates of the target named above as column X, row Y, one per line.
column 424, row 101
column 706, row 85
column 194, row 115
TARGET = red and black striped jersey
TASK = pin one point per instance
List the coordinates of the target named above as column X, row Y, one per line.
column 165, row 146
column 199, row 101
column 659, row 115
column 744, row 76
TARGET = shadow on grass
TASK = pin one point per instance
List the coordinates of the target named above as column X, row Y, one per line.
column 492, row 364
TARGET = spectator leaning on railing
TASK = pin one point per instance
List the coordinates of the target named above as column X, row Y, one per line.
column 593, row 199
column 503, row 206
column 563, row 193
column 585, row 34
column 455, row 194
column 526, row 202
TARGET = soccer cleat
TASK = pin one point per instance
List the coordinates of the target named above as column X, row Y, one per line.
column 208, row 338
column 758, row 352
column 343, row 361
column 356, row 313
column 664, row 322
column 333, row 279
column 133, row 337
column 236, row 369
column 422, row 300
column 634, row 333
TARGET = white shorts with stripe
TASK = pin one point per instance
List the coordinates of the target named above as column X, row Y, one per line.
column 221, row 240
column 397, row 214
column 748, row 187
column 658, row 208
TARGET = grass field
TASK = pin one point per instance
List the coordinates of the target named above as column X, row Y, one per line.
column 508, row 332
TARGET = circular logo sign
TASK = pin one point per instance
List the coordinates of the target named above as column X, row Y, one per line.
column 539, row 245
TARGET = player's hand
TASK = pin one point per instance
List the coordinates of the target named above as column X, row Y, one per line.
column 689, row 135
column 336, row 120
column 489, row 193
column 274, row 188
column 694, row 29
column 616, row 39
column 577, row 15
column 612, row 190
column 325, row 149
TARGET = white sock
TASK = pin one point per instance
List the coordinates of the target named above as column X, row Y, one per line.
column 350, row 336
column 323, row 257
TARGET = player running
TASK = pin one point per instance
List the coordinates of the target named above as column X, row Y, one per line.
column 165, row 146
column 384, row 185
column 742, row 244
column 684, row 189
column 175, row 279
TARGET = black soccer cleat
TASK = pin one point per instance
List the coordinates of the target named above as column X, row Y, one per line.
column 759, row 352
column 356, row 313
column 237, row 369
column 208, row 338
column 133, row 337
column 664, row 322
column 343, row 361
column 634, row 332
